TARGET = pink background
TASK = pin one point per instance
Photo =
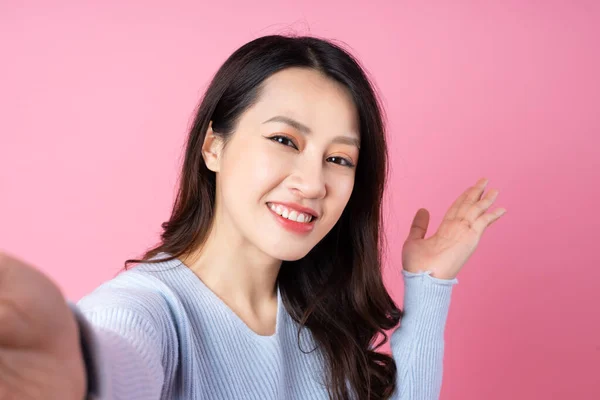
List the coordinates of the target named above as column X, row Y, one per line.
column 96, row 99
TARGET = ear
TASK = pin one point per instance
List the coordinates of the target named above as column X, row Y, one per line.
column 211, row 149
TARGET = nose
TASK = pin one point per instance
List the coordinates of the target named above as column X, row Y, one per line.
column 308, row 179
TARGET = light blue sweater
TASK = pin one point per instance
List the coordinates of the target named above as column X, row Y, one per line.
column 157, row 331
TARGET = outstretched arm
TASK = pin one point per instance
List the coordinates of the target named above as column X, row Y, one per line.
column 122, row 353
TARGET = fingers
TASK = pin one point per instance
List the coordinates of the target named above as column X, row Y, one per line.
column 465, row 200
column 477, row 214
column 471, row 207
column 419, row 225
column 473, row 195
column 481, row 206
column 451, row 214
column 488, row 219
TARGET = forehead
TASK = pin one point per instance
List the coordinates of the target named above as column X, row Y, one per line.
column 311, row 98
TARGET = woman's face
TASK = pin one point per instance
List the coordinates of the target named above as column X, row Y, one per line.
column 287, row 172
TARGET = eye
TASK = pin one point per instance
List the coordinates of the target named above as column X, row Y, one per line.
column 284, row 140
column 341, row 161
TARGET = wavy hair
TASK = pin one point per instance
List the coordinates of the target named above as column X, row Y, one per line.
column 336, row 290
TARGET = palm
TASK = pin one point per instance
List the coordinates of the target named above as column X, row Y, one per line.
column 446, row 251
column 40, row 356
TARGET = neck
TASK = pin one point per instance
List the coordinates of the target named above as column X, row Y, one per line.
column 238, row 272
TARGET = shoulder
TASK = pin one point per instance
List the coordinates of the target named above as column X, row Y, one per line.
column 148, row 291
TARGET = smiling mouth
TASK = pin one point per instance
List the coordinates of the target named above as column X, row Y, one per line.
column 291, row 214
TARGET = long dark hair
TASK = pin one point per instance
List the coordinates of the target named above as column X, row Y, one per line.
column 336, row 290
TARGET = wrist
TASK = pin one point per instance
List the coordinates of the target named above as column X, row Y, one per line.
column 443, row 276
column 89, row 373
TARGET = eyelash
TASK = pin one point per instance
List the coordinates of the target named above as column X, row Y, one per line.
column 281, row 139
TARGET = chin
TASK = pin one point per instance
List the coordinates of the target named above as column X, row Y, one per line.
column 289, row 254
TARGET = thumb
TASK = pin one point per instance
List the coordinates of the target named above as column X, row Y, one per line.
column 420, row 222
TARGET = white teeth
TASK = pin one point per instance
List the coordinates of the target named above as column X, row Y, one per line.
column 292, row 215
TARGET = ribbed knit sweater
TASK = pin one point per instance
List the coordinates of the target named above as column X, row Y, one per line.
column 156, row 331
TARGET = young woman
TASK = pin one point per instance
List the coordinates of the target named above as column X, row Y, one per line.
column 267, row 282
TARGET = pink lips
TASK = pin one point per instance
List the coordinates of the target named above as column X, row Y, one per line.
column 294, row 226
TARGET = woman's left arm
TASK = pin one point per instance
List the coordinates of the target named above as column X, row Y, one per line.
column 418, row 343
column 430, row 267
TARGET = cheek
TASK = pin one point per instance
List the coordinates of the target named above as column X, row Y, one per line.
column 265, row 169
column 347, row 187
column 250, row 170
column 340, row 189
column 342, row 181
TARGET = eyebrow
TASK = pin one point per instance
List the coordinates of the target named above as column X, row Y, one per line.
column 306, row 130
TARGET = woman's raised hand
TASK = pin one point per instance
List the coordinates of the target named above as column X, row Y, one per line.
column 446, row 251
column 40, row 352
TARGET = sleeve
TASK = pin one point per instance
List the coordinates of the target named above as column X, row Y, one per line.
column 122, row 351
column 418, row 343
